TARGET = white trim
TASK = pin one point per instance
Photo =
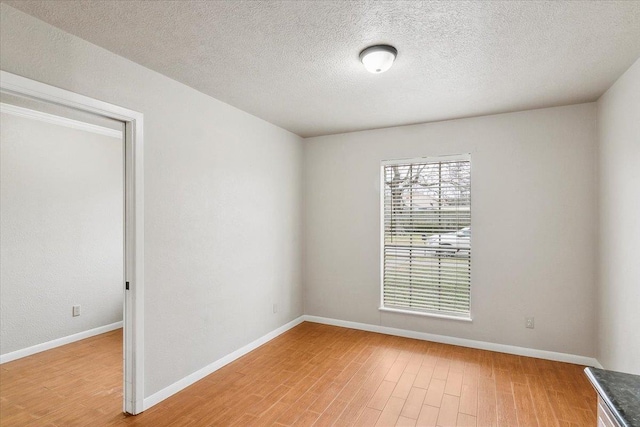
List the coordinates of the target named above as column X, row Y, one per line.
column 133, row 372
column 381, row 193
column 19, row 354
column 444, row 158
column 57, row 120
column 185, row 382
column 426, row 314
column 462, row 342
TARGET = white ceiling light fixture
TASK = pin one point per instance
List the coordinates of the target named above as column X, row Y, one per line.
column 378, row 59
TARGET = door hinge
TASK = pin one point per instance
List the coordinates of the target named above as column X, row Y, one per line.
column 126, row 286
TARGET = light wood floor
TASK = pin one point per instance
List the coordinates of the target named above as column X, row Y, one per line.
column 312, row 375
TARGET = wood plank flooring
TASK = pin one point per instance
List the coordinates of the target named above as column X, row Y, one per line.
column 311, row 375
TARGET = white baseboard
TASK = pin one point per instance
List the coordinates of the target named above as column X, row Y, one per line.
column 18, row 354
column 209, row 369
column 463, row 342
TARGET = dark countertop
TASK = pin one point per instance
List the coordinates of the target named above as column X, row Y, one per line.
column 621, row 393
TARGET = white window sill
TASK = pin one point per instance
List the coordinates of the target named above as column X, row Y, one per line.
column 426, row 314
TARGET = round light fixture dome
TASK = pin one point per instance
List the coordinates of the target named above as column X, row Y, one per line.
column 378, row 59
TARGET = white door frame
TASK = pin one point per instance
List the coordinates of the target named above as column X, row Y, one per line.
column 133, row 389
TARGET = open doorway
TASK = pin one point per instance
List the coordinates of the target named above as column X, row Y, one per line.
column 72, row 239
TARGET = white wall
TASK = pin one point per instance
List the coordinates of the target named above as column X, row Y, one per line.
column 533, row 217
column 222, row 201
column 61, row 228
column 619, row 272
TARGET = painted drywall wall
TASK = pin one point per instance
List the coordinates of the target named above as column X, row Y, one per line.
column 619, row 243
column 61, row 231
column 222, row 201
column 533, row 216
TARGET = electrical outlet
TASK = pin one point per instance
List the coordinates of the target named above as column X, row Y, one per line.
column 529, row 322
column 76, row 310
column 275, row 308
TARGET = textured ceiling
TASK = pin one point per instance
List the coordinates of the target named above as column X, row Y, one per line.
column 295, row 64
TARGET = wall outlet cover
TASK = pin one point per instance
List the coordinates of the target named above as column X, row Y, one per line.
column 529, row 322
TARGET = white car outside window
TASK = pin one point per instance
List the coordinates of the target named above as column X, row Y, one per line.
column 454, row 244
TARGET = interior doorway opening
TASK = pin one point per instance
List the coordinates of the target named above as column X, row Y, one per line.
column 66, row 199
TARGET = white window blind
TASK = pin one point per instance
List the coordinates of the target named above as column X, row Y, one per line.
column 427, row 235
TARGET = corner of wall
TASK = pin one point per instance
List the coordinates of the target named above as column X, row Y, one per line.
column 618, row 139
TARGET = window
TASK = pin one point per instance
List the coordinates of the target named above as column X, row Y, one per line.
column 426, row 241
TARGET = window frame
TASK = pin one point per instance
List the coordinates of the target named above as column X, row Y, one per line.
column 430, row 159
